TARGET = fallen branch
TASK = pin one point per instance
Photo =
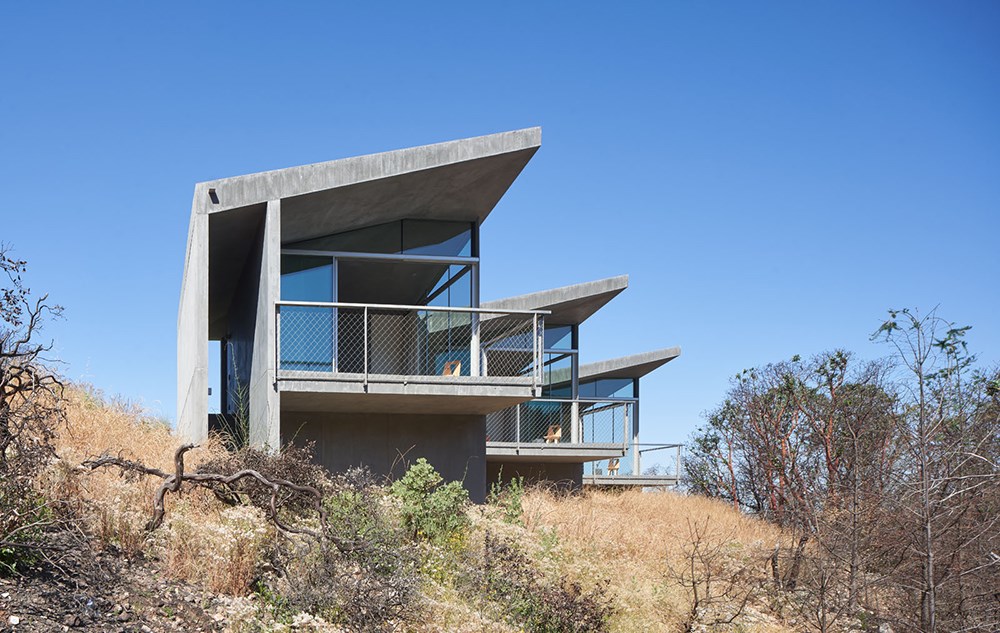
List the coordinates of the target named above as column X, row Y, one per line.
column 173, row 483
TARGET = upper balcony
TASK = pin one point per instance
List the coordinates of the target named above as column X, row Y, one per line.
column 406, row 358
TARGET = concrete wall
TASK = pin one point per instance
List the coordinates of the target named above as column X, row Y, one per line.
column 265, row 426
column 192, row 334
column 454, row 444
column 567, row 476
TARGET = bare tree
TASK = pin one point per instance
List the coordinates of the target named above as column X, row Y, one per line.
column 30, row 408
column 719, row 588
column 952, row 471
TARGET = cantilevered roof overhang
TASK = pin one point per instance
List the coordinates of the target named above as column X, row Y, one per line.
column 569, row 305
column 459, row 180
column 634, row 366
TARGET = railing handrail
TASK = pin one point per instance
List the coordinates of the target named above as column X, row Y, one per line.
column 593, row 399
column 394, row 306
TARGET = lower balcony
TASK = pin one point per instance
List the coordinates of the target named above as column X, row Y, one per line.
column 644, row 465
column 553, row 430
column 406, row 359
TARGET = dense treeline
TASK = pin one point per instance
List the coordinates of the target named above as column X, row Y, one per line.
column 888, row 469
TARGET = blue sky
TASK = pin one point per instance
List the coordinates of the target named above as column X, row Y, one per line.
column 773, row 176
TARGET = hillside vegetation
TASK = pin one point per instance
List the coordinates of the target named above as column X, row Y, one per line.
column 530, row 560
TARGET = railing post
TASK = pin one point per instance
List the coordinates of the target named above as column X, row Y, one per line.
column 537, row 374
column 636, row 458
column 364, row 325
column 677, row 467
column 574, row 415
column 474, row 351
column 334, row 326
column 277, row 341
column 517, row 423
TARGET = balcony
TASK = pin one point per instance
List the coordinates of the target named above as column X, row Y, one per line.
column 557, row 430
column 643, row 465
column 405, row 358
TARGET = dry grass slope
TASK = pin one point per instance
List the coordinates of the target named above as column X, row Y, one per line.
column 628, row 542
column 631, row 540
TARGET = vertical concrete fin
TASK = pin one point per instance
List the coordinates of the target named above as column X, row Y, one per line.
column 192, row 336
column 265, row 424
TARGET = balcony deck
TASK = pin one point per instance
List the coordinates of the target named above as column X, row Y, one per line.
column 630, row 481
column 344, row 357
column 554, row 430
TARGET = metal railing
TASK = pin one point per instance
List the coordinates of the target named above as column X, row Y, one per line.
column 351, row 341
column 641, row 460
column 554, row 421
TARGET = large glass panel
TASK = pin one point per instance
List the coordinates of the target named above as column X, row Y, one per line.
column 381, row 238
column 453, row 289
column 559, row 337
column 306, row 278
column 557, row 376
column 414, row 237
column 437, row 237
column 306, row 332
column 608, row 388
column 403, row 283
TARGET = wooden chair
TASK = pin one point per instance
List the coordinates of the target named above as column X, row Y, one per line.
column 452, row 368
column 554, row 434
column 613, row 465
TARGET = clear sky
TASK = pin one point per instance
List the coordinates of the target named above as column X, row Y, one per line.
column 772, row 175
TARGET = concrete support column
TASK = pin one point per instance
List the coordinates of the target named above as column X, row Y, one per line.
column 192, row 334
column 265, row 405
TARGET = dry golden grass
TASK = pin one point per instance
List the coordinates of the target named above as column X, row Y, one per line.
column 202, row 540
column 630, row 540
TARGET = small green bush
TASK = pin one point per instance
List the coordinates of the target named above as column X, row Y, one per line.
column 430, row 509
column 508, row 498
column 362, row 574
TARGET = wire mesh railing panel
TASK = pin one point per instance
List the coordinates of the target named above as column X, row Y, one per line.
column 655, row 460
column 507, row 343
column 553, row 421
column 406, row 341
column 546, row 422
column 307, row 335
column 606, row 422
column 501, row 426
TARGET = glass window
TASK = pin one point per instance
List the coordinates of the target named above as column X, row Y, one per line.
column 559, row 337
column 608, row 388
column 306, row 278
column 412, row 237
column 381, row 238
column 453, row 288
column 436, row 237
column 557, row 376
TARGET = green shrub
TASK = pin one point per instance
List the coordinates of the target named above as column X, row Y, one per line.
column 430, row 509
column 362, row 574
column 508, row 498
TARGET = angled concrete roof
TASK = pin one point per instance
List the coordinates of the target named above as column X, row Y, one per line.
column 459, row 180
column 569, row 305
column 456, row 180
column 634, row 366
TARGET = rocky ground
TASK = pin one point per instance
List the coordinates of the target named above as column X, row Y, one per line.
column 83, row 590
